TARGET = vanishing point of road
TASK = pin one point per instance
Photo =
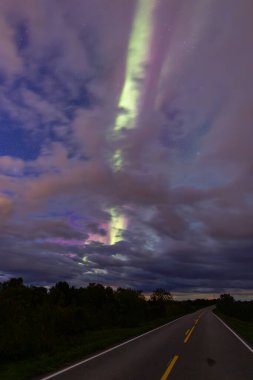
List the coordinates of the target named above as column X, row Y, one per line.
column 197, row 346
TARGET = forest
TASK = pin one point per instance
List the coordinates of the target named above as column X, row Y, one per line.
column 36, row 320
column 237, row 314
column 241, row 310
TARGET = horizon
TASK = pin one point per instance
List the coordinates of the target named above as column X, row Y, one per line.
column 238, row 295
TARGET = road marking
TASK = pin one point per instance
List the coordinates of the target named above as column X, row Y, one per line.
column 109, row 350
column 169, row 369
column 232, row 331
column 190, row 331
column 188, row 336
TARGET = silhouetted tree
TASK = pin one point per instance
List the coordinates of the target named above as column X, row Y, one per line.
column 226, row 303
column 161, row 295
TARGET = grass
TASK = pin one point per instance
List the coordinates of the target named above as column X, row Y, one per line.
column 243, row 328
column 75, row 349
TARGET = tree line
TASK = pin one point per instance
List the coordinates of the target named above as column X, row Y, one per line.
column 242, row 310
column 35, row 320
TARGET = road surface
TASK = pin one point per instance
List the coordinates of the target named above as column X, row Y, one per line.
column 195, row 347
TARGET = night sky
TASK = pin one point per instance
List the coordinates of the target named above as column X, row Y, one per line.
column 126, row 143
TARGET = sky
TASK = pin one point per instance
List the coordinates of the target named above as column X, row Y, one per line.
column 126, row 144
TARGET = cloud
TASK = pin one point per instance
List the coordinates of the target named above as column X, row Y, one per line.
column 11, row 165
column 5, row 207
column 186, row 181
column 10, row 62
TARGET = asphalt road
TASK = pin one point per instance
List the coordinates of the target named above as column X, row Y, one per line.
column 195, row 347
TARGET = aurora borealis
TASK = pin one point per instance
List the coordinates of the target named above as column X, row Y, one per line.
column 125, row 143
column 137, row 57
column 130, row 97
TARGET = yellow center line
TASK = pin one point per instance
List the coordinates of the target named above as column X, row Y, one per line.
column 169, row 369
column 187, row 332
column 188, row 336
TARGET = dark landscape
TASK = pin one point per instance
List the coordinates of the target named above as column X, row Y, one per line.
column 43, row 329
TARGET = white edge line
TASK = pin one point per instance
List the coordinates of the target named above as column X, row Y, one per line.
column 109, row 350
column 233, row 332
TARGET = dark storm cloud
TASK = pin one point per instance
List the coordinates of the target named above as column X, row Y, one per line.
column 37, row 266
column 41, row 229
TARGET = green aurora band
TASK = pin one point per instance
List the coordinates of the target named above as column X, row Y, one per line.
column 131, row 94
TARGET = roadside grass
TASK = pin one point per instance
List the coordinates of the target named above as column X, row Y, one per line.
column 242, row 328
column 73, row 350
